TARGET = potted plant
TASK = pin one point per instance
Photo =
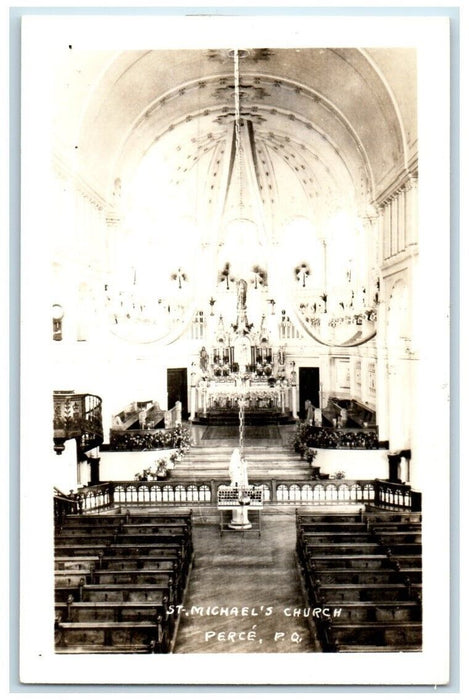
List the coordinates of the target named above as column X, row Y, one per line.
column 310, row 455
column 338, row 475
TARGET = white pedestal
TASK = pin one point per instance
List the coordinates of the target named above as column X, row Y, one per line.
column 240, row 519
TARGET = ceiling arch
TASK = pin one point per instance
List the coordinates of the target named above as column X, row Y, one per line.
column 347, row 114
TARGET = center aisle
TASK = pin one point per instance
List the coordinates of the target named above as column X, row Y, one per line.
column 235, row 572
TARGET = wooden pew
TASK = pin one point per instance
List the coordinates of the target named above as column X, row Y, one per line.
column 378, row 592
column 398, row 537
column 335, row 537
column 346, row 549
column 388, row 516
column 99, row 543
column 351, row 561
column 115, row 520
column 347, row 576
column 107, row 637
column 149, row 528
column 397, row 549
column 124, row 592
column 379, row 611
column 165, row 562
column 72, row 549
column 348, row 518
column 395, row 527
column 126, row 573
column 333, row 527
column 112, row 611
column 71, row 578
column 79, row 562
column 169, row 579
column 398, row 634
column 91, row 531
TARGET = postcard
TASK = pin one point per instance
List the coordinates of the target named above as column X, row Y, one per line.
column 235, row 242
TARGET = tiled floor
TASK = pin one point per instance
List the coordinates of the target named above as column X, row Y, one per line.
column 251, row 572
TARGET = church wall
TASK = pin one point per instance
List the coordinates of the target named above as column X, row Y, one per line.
column 396, row 341
column 122, row 466
column 356, row 464
column 64, row 468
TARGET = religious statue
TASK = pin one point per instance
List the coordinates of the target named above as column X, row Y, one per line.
column 238, row 469
column 242, row 291
column 242, row 327
column 204, row 360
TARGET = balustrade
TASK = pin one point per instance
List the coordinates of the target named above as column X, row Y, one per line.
column 392, row 495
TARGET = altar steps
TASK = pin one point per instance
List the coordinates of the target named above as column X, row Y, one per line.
column 260, row 417
column 264, row 461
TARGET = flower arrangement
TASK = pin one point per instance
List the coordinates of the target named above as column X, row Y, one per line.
column 158, row 471
column 338, row 475
column 138, row 441
column 310, row 454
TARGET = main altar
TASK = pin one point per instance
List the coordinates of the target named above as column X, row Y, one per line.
column 241, row 363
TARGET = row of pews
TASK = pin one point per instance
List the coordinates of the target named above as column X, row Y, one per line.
column 363, row 574
column 118, row 580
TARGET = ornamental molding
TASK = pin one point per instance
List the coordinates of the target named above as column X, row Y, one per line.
column 80, row 186
column 405, row 181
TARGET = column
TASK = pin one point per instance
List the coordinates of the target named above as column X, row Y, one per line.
column 193, row 407
column 204, row 400
column 294, row 401
column 382, row 412
column 411, row 210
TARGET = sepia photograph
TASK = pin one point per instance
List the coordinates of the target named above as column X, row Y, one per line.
column 235, row 367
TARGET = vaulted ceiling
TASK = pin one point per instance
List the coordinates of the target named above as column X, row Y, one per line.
column 326, row 125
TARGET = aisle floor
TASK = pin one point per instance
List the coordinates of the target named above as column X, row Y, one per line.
column 236, row 571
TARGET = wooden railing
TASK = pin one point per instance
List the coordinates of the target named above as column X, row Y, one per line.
column 63, row 506
column 205, row 492
column 393, row 495
column 173, row 417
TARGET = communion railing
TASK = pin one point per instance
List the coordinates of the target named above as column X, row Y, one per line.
column 274, row 491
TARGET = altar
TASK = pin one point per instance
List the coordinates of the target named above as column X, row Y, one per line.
column 241, row 363
column 265, row 401
column 261, row 395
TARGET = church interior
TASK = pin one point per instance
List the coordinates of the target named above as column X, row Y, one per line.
column 235, row 261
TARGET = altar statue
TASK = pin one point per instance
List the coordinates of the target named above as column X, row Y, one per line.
column 242, row 292
column 204, row 360
column 238, row 469
column 242, row 327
